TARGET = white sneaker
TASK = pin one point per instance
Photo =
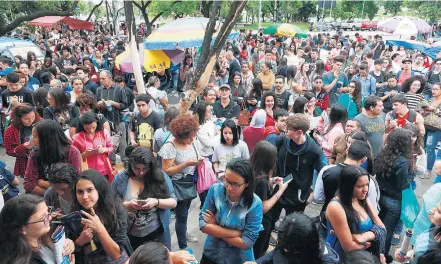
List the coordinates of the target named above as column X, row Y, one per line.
column 191, row 238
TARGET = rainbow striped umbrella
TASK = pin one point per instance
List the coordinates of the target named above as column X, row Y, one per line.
column 285, row 30
column 181, row 33
column 152, row 60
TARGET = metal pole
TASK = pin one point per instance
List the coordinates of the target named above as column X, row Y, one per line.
column 330, row 10
column 260, row 14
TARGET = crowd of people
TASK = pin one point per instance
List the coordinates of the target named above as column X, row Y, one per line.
column 346, row 123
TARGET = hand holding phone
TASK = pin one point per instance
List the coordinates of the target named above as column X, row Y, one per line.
column 287, row 178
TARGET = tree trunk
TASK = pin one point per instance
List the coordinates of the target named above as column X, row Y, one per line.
column 209, row 53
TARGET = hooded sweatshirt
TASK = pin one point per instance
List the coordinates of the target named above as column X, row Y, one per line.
column 301, row 165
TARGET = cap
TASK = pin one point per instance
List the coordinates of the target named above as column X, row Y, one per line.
column 406, row 60
column 224, row 86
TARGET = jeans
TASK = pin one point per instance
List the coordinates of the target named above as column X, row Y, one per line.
column 175, row 79
column 202, row 197
column 121, row 128
column 155, row 236
column 390, row 215
column 262, row 243
column 432, row 139
column 181, row 212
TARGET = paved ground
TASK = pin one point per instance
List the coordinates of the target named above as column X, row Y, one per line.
column 193, row 220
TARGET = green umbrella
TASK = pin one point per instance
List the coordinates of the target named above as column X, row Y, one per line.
column 285, row 30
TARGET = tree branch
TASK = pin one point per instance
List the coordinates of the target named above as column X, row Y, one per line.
column 137, row 5
column 117, row 14
column 6, row 28
column 93, row 10
column 161, row 13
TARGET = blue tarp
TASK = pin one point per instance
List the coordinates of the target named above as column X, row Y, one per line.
column 416, row 45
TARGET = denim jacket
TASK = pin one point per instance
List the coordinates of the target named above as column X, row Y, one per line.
column 119, row 185
column 239, row 217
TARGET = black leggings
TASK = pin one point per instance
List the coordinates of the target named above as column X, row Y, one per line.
column 155, row 236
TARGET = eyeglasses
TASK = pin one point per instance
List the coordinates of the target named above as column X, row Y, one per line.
column 49, row 98
column 46, row 217
column 143, row 170
column 352, row 86
column 234, row 185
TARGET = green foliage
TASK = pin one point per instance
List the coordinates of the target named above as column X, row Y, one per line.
column 429, row 10
column 393, row 7
column 177, row 10
column 347, row 9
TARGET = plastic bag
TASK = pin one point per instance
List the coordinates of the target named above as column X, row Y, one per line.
column 409, row 207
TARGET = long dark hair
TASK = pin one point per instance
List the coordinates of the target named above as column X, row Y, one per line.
column 291, row 72
column 338, row 114
column 263, row 161
column 319, row 67
column 232, row 125
column 199, row 111
column 13, row 217
column 357, row 96
column 299, row 105
column 169, row 115
column 107, row 201
column 399, row 143
column 299, row 240
column 154, row 181
column 415, row 132
column 53, row 145
column 242, row 167
column 257, row 87
column 19, row 111
column 61, row 100
column 348, row 178
column 87, row 119
column 40, row 100
column 407, row 83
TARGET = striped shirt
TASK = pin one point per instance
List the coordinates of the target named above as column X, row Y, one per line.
column 414, row 100
column 114, row 93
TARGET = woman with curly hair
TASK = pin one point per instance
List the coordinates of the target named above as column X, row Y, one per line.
column 180, row 156
column 413, row 89
column 86, row 103
column 392, row 166
column 147, row 195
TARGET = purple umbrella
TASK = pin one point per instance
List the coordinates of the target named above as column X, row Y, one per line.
column 390, row 25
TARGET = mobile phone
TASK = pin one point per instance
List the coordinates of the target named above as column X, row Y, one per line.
column 189, row 250
column 287, row 178
column 141, row 201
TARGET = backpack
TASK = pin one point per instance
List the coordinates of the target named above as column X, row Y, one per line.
column 411, row 117
column 7, row 189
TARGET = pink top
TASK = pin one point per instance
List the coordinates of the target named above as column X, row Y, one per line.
column 98, row 162
column 330, row 137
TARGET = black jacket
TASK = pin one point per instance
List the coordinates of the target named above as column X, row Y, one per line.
column 301, row 165
column 397, row 181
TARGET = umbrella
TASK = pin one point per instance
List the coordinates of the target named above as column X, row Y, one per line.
column 404, row 26
column 181, row 33
column 152, row 60
column 49, row 21
column 285, row 30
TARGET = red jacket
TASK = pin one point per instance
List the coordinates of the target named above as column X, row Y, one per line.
column 15, row 149
column 32, row 176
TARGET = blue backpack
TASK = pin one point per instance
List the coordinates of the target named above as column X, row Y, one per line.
column 7, row 189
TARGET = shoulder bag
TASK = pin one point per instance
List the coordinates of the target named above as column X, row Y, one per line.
column 185, row 188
